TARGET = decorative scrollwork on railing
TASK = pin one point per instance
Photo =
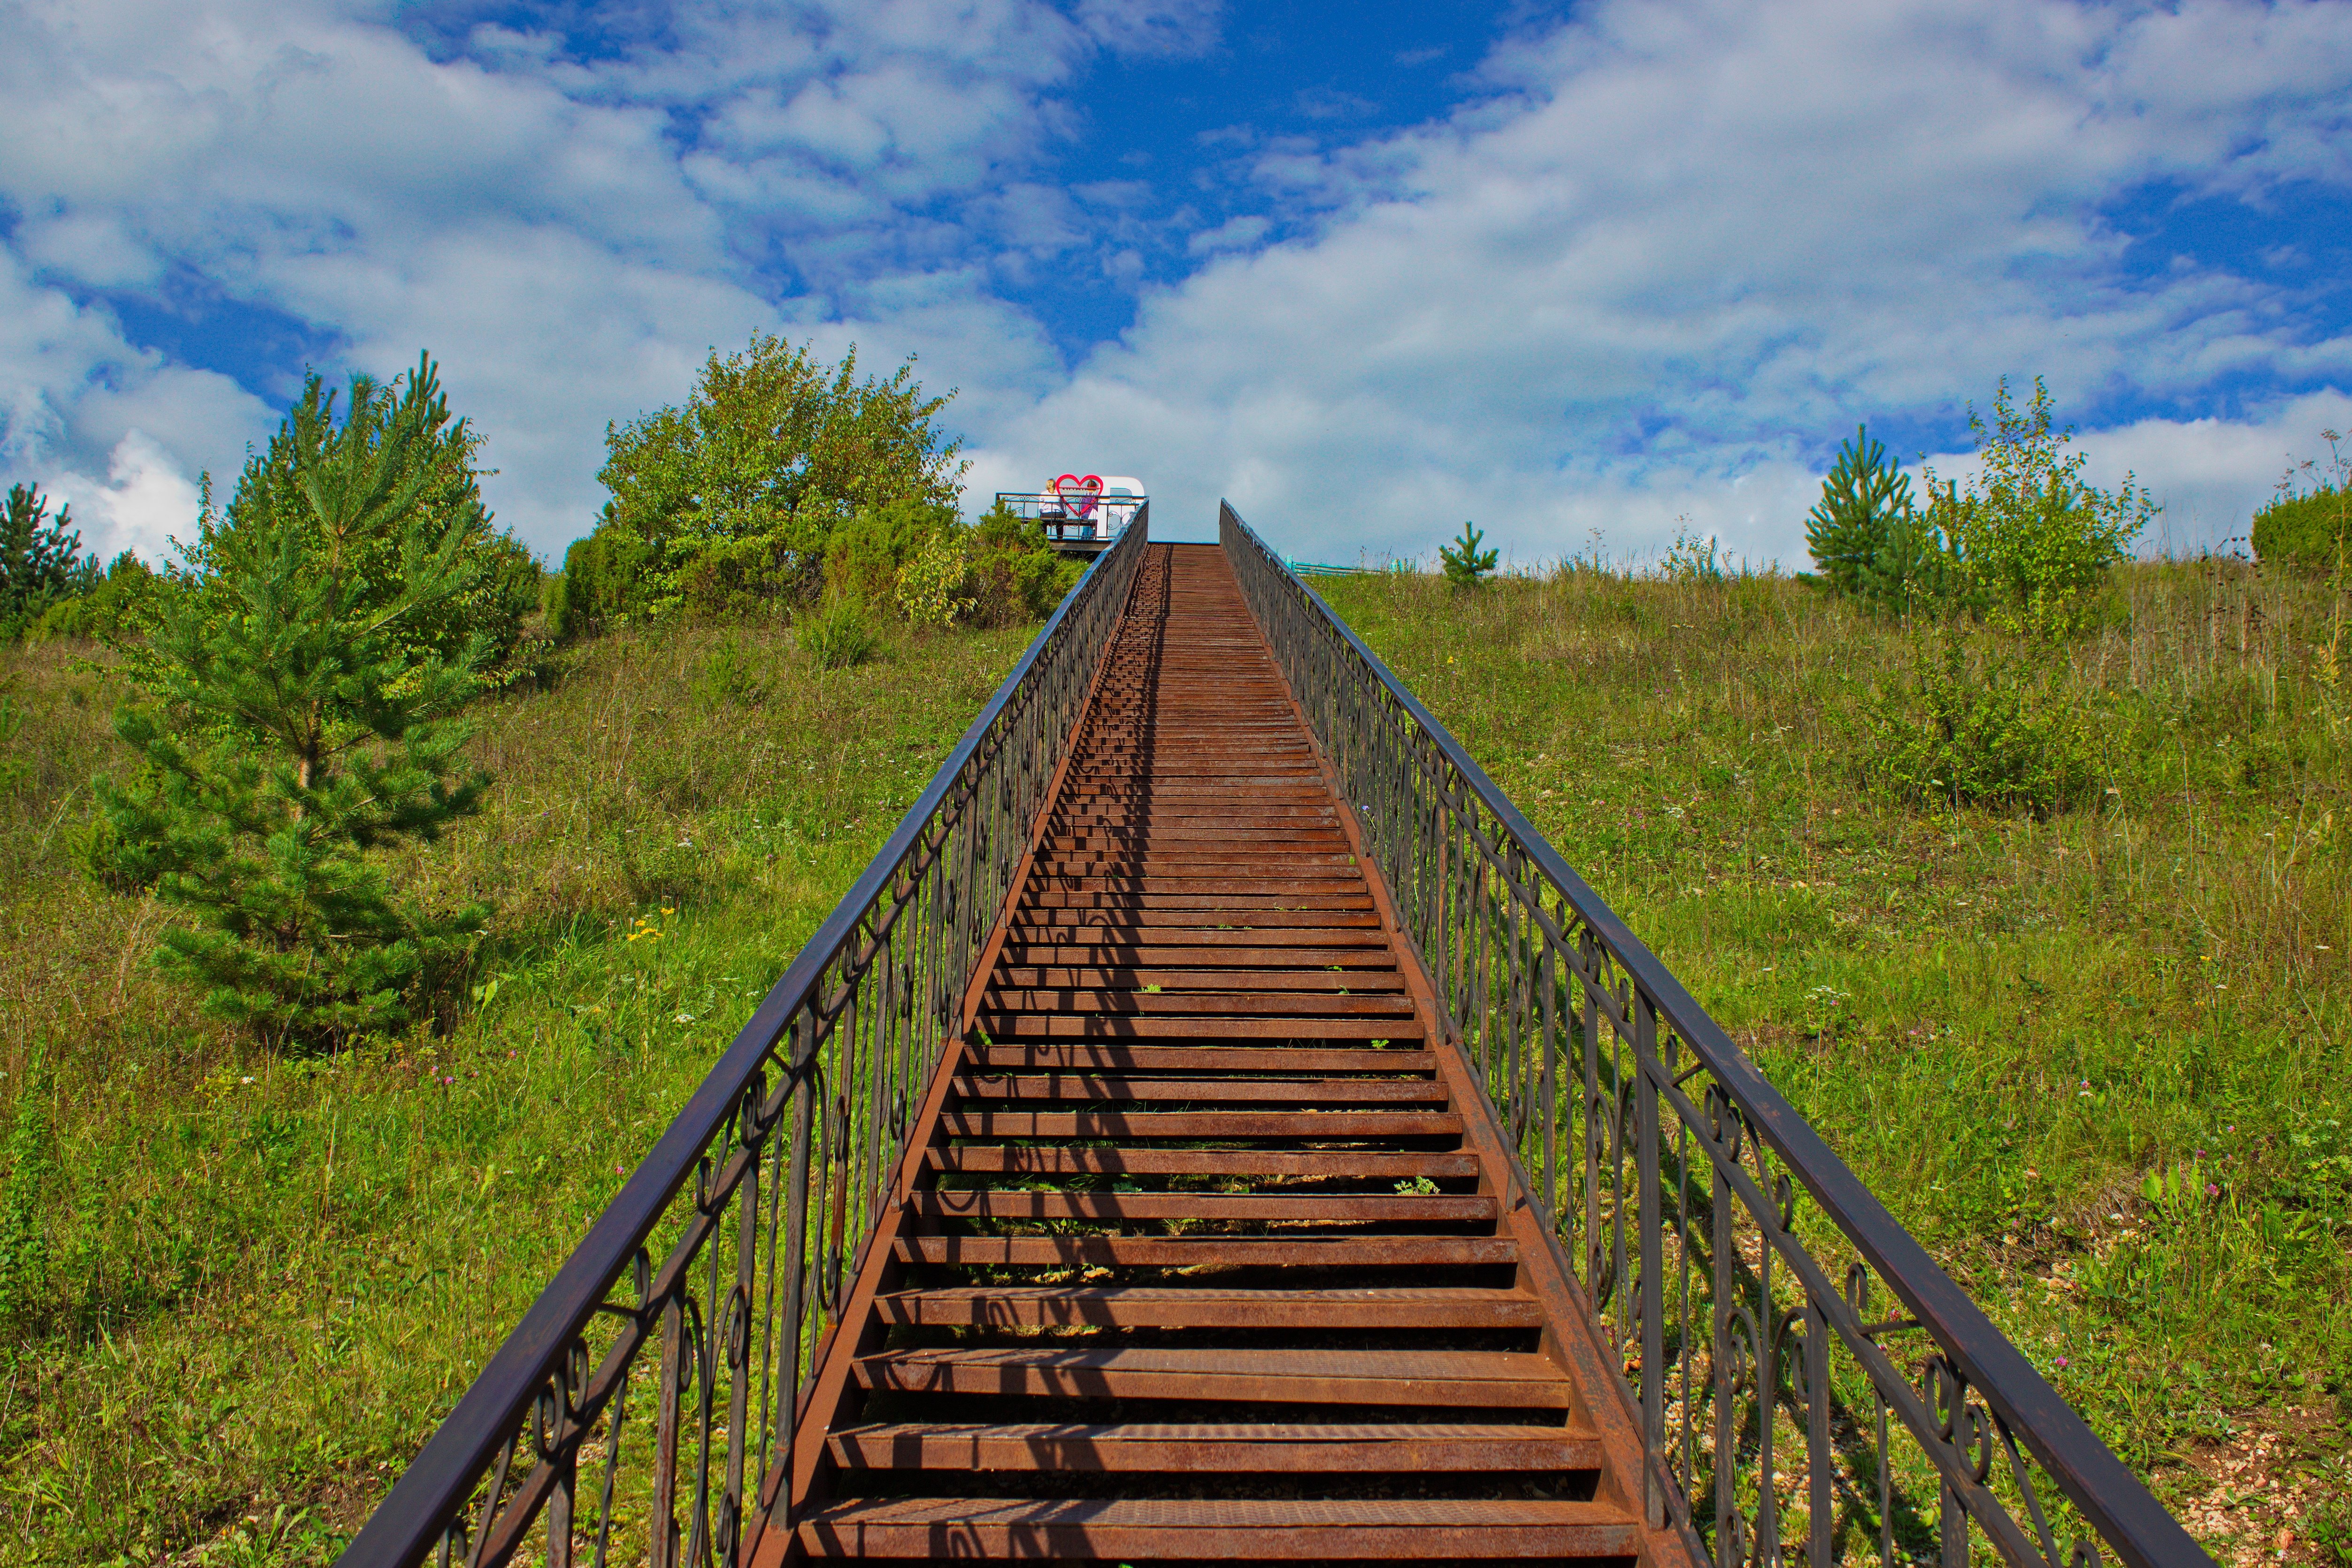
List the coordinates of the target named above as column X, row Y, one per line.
column 1728, row 1255
column 712, row 1282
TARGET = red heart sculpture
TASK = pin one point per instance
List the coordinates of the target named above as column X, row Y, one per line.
column 1079, row 499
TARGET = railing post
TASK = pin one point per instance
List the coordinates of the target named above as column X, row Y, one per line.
column 1952, row 1528
column 1651, row 1292
column 1722, row 1243
column 1820, row 1547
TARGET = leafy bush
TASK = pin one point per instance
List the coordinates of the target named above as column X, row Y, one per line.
column 1978, row 735
column 865, row 553
column 838, row 635
column 299, row 717
column 930, row 586
column 1466, row 564
column 608, row 577
column 123, row 603
column 2036, row 539
column 1016, row 577
column 2311, row 531
column 735, row 497
column 1914, row 567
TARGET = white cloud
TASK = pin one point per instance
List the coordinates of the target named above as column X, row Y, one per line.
column 1654, row 271
column 1234, row 233
column 1680, row 249
column 143, row 503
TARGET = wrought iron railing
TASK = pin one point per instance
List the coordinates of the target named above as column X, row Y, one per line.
column 647, row 1408
column 1731, row 1261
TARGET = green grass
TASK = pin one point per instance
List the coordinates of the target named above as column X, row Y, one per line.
column 267, row 1278
column 2006, row 1025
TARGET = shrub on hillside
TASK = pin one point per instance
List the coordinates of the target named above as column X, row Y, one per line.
column 867, row 551
column 735, row 499
column 1465, row 563
column 2036, row 539
column 41, row 560
column 299, row 718
column 122, row 604
column 930, row 589
column 1862, row 497
column 1016, row 577
column 2310, row 532
column 1978, row 732
column 603, row 584
column 2309, row 529
column 838, row 634
column 1871, row 542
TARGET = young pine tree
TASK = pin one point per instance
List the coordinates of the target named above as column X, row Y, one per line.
column 300, row 720
column 1466, row 564
column 1863, row 500
column 40, row 560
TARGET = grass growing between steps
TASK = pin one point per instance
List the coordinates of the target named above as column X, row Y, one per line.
column 2097, row 1060
column 249, row 1285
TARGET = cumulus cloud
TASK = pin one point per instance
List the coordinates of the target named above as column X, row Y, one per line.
column 567, row 224
column 142, row 505
column 1660, row 259
column 1678, row 250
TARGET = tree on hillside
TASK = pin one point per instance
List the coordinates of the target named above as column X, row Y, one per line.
column 1862, row 499
column 435, row 456
column 40, row 560
column 1466, row 564
column 735, row 496
column 299, row 719
column 2038, row 540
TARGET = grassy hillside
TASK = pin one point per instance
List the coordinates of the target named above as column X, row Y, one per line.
column 2007, row 1025
column 264, row 1277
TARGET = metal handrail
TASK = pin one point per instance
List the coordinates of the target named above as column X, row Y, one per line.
column 1531, row 964
column 852, row 1033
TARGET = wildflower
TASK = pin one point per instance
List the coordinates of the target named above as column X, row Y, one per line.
column 2211, row 1190
column 2062, row 1361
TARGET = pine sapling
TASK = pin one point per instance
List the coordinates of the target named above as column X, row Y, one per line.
column 1863, row 500
column 1466, row 565
column 296, row 727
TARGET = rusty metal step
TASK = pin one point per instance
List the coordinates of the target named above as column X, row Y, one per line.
column 1212, row 1307
column 1238, row 1450
column 1209, row 1251
column 1238, row 1528
column 1294, row 1165
column 1106, row 1088
column 1211, row 1060
column 1204, row 1126
column 974, row 1202
column 1214, row 1004
column 1486, row 1380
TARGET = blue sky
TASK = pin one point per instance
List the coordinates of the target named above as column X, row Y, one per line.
column 1610, row 269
